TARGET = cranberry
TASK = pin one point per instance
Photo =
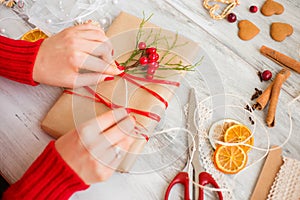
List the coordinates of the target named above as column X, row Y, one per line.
column 253, row 9
column 149, row 76
column 150, row 70
column 153, row 57
column 153, row 65
column 266, row 75
column 143, row 60
column 151, row 50
column 231, row 17
column 142, row 45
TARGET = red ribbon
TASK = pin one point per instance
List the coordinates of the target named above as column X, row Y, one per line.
column 98, row 98
column 155, row 94
column 131, row 79
column 158, row 81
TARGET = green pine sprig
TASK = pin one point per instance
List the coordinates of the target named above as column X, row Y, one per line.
column 132, row 64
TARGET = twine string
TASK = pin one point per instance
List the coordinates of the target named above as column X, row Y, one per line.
column 265, row 150
column 231, row 4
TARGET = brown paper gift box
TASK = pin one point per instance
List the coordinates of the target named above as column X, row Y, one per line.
column 71, row 110
column 268, row 174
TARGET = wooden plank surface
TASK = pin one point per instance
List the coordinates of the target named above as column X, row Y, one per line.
column 236, row 63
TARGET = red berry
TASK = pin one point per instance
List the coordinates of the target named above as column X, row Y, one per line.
column 153, row 65
column 253, row 9
column 151, row 50
column 153, row 57
column 142, row 45
column 149, row 76
column 150, row 70
column 143, row 60
column 266, row 75
column 231, row 17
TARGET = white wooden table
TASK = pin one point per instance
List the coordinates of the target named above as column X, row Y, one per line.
column 23, row 107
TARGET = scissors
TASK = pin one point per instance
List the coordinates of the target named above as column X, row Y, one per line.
column 196, row 171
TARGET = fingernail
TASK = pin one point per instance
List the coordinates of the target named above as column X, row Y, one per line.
column 120, row 67
column 109, row 78
column 133, row 117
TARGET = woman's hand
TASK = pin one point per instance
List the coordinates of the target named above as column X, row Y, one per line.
column 61, row 56
column 98, row 146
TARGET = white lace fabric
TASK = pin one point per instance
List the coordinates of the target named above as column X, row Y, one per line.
column 207, row 152
column 287, row 181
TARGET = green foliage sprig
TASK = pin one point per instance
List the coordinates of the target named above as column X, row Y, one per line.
column 164, row 64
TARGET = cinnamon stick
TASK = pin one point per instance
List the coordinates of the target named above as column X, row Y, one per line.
column 277, row 84
column 280, row 58
column 264, row 98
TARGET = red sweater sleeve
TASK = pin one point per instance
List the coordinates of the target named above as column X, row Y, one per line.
column 17, row 59
column 49, row 177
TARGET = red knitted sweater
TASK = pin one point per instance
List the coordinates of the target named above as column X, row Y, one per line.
column 17, row 59
column 49, row 177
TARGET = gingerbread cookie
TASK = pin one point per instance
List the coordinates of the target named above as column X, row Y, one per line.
column 271, row 7
column 247, row 30
column 279, row 31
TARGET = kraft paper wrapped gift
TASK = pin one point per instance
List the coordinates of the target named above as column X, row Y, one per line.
column 71, row 110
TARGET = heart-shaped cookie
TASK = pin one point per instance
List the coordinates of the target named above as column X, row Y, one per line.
column 279, row 31
column 271, row 7
column 247, row 30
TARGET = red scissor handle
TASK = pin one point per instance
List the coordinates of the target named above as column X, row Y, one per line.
column 182, row 178
column 204, row 179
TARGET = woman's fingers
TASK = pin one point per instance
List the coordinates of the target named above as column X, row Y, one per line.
column 98, row 146
column 94, row 48
column 92, row 35
column 90, row 131
column 105, row 121
column 92, row 56
column 85, row 79
column 95, row 64
column 89, row 26
column 94, row 43
column 102, row 45
column 104, row 50
column 120, row 151
column 113, row 136
column 61, row 56
column 112, row 118
column 122, row 129
column 113, row 156
column 110, row 154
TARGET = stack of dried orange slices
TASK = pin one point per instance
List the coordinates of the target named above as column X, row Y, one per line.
column 230, row 159
column 34, row 35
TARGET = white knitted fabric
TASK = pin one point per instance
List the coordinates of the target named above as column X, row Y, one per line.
column 204, row 116
column 287, row 181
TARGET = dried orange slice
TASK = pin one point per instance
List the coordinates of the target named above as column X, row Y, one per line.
column 230, row 159
column 218, row 129
column 34, row 35
column 239, row 133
